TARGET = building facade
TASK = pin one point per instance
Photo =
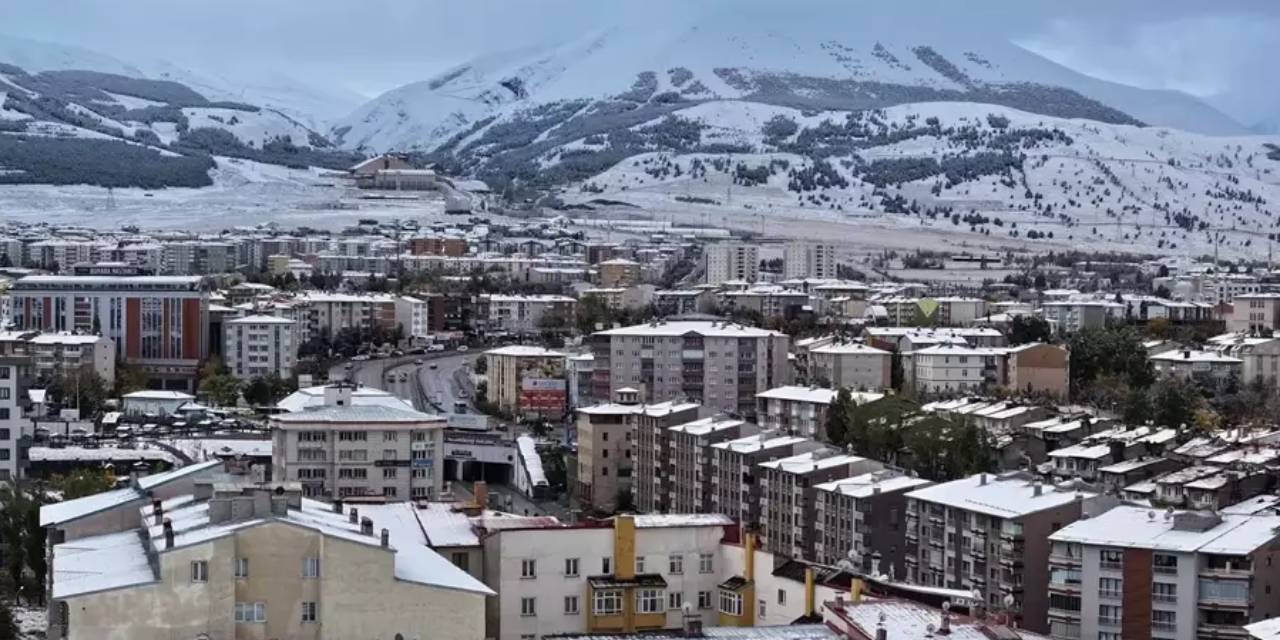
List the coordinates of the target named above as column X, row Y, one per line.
column 259, row 346
column 809, row 260
column 727, row 261
column 615, row 437
column 863, row 519
column 527, row 381
column 788, row 497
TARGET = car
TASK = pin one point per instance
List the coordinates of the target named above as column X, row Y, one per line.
column 436, row 347
column 348, row 366
column 397, row 353
column 361, row 358
column 462, row 348
column 404, row 377
column 434, row 366
column 391, row 378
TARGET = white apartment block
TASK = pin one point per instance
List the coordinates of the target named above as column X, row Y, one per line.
column 801, row 411
column 953, row 369
column 1136, row 573
column 524, row 314
column 343, row 450
column 1197, row 364
column 412, row 317
column 259, row 346
column 788, row 496
column 1259, row 356
column 54, row 354
column 809, row 260
column 636, row 573
column 12, row 422
column 731, row 261
column 328, row 313
column 1255, row 312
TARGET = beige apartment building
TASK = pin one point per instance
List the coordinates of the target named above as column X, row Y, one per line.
column 736, row 484
column 343, row 450
column 851, row 364
column 619, row 273
column 608, row 449
column 238, row 559
column 788, row 496
column 688, row 475
column 720, row 365
column 526, row 380
column 731, row 261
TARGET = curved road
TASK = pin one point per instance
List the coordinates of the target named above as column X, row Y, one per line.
column 428, row 388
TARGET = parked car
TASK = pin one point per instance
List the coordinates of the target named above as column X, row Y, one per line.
column 419, row 362
column 462, row 347
column 361, row 358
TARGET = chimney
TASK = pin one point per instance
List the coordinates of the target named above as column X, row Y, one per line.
column 808, row 591
column 944, row 628
column 337, row 507
column 386, row 538
column 1036, row 489
column 158, row 509
column 881, row 632
column 1186, row 355
column 168, row 534
column 354, row 516
column 366, row 526
column 982, row 479
column 481, row 489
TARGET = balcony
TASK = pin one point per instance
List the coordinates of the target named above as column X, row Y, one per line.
column 1220, row 630
column 1110, row 595
column 1109, row 566
column 1106, row 621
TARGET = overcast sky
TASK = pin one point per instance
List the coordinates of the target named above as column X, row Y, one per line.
column 1218, row 49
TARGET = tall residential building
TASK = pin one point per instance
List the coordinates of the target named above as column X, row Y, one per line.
column 718, row 364
column 238, row 559
column 726, row 261
column 736, row 484
column 863, row 519
column 524, row 314
column 13, row 444
column 688, row 476
column 527, row 381
column 788, row 496
column 851, row 364
column 615, row 436
column 327, row 312
column 1136, row 573
column 259, row 346
column 989, row 534
column 55, row 354
column 1255, row 312
column 350, row 450
column 156, row 322
column 809, row 260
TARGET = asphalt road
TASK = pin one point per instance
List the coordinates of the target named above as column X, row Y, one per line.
column 420, row 385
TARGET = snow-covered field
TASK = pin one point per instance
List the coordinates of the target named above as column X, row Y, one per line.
column 32, row 623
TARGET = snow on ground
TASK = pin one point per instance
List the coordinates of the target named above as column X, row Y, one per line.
column 32, row 623
column 10, row 114
column 252, row 128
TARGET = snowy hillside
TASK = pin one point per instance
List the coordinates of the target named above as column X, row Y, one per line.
column 76, row 126
column 871, row 57
column 963, row 168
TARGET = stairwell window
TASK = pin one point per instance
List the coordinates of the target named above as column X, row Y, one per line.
column 200, row 571
column 676, row 564
column 242, row 568
column 311, row 567
column 528, row 569
column 706, row 563
column 251, row 612
column 310, row 613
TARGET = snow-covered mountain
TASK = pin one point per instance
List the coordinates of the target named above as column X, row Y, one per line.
column 860, row 56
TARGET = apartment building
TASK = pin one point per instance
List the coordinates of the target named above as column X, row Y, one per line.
column 903, row 339
column 350, row 450
column 618, row 273
column 239, row 559
column 1255, row 312
column 863, row 519
column 523, row 314
column 527, row 381
column 801, row 411
column 851, row 364
column 989, row 534
column 413, row 317
column 156, row 322
column 197, row 257
column 1259, row 356
column 437, row 245
column 615, row 437
column 57, row 354
column 1136, row 573
column 736, row 477
column 728, row 261
column 14, row 441
column 258, row 346
column 626, row 575
column 328, row 312
column 788, row 496
column 676, row 302
column 953, row 369
column 718, row 364
column 688, row 477
column 1198, row 364
column 1037, row 368
column 809, row 260
column 1072, row 316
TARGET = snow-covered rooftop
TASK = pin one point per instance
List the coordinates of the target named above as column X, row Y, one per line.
column 308, row 397
column 524, row 351
column 812, row 461
column 68, row 510
column 656, row 409
column 1137, row 527
column 358, row 414
column 867, row 484
column 1004, row 496
column 819, row 395
column 759, row 442
column 700, row 327
column 666, row 520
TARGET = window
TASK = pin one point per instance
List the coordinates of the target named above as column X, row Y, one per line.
column 571, row 605
column 1109, row 635
column 1164, row 620
column 606, row 603
column 706, row 563
column 1110, row 559
column 242, row 567
column 782, row 596
column 730, row 603
column 1223, row 590
column 528, row 569
column 309, row 612
column 200, row 571
column 311, row 567
column 675, row 599
column 606, row 565
column 639, row 564
column 1164, row 563
column 353, row 436
column 675, row 564
column 1110, row 587
column 1108, row 614
column 388, row 473
column 389, row 436
column 571, row 567
column 704, row 599
column 461, row 560
column 353, row 474
column 353, row 455
column 761, row 604
column 1164, row 592
column 388, row 454
column 528, row 607
column 251, row 612
column 649, row 601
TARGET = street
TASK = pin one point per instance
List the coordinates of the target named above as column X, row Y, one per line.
column 434, row 390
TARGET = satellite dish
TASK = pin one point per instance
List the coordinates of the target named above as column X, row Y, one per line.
column 1008, row 601
column 687, row 608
